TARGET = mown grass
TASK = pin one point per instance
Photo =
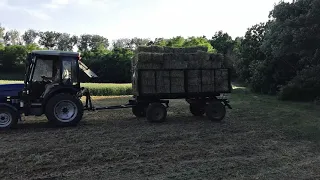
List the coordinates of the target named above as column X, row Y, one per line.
column 97, row 89
column 297, row 120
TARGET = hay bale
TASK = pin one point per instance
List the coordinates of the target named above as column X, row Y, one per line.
column 193, row 73
column 207, row 77
column 194, row 88
column 194, row 64
column 169, row 50
column 163, row 82
column 216, row 60
column 194, row 81
column 174, row 61
column 177, row 81
column 195, row 49
column 157, row 49
column 208, row 88
column 177, row 74
column 156, row 58
column 221, row 80
column 147, row 49
column 148, row 89
column 178, row 50
column 148, row 66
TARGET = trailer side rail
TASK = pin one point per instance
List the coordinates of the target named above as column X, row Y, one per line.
column 186, row 93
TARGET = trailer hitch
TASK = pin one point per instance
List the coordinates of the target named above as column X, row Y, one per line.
column 226, row 103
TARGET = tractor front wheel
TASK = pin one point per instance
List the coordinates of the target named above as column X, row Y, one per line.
column 64, row 110
column 8, row 118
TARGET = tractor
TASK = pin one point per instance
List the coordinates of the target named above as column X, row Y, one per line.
column 51, row 87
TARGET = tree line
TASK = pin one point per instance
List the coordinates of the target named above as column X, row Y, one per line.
column 279, row 57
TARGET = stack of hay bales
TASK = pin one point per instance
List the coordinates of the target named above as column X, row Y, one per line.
column 170, row 64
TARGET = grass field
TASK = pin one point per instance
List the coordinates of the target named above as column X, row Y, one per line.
column 261, row 138
column 98, row 89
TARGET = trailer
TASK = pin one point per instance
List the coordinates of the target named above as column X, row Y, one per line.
column 154, row 106
column 52, row 88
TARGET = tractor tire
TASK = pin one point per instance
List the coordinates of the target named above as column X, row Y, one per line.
column 156, row 113
column 8, row 118
column 197, row 109
column 64, row 110
column 215, row 111
column 139, row 110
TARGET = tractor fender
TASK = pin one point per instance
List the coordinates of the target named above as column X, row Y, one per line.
column 11, row 107
column 57, row 90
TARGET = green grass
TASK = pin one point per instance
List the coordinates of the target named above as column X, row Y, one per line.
column 297, row 120
column 97, row 89
column 106, row 89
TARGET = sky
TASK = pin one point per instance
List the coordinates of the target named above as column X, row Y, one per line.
column 136, row 18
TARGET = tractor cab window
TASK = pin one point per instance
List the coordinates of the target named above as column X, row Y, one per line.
column 69, row 72
column 43, row 68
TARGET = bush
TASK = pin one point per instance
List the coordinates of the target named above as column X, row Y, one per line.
column 304, row 87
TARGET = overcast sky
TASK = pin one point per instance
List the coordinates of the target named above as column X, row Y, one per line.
column 135, row 18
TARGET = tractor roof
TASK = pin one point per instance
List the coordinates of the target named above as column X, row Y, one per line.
column 55, row 53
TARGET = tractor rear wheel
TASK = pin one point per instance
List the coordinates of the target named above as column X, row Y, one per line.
column 64, row 110
column 8, row 118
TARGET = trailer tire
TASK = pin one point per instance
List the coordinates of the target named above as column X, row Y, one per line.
column 215, row 111
column 64, row 110
column 156, row 113
column 197, row 109
column 8, row 118
column 139, row 110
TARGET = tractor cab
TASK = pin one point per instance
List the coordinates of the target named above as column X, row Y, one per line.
column 48, row 71
column 51, row 87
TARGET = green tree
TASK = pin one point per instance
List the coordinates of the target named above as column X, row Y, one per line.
column 98, row 42
column 84, row 42
column 222, row 42
column 12, row 37
column 198, row 41
column 250, row 51
column 176, row 42
column 2, row 33
column 66, row 42
column 12, row 57
column 30, row 36
column 49, row 39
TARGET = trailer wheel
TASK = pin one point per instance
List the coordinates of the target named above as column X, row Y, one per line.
column 8, row 118
column 139, row 110
column 64, row 110
column 156, row 112
column 197, row 109
column 215, row 111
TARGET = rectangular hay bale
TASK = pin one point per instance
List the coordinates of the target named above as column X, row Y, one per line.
column 222, row 80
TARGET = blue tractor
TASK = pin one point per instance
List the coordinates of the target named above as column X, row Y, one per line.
column 51, row 87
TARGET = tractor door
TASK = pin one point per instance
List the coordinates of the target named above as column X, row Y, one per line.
column 70, row 71
column 46, row 70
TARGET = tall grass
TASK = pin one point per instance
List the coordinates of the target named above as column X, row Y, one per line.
column 96, row 89
column 108, row 89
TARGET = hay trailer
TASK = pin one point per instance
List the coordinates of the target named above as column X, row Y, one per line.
column 153, row 105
